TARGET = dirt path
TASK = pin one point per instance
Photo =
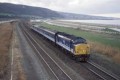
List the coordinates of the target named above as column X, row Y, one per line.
column 5, row 40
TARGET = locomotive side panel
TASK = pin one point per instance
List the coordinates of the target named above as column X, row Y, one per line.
column 61, row 41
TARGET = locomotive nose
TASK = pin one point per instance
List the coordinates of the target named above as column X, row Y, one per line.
column 81, row 49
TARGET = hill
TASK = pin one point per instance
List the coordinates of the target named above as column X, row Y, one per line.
column 23, row 10
column 8, row 10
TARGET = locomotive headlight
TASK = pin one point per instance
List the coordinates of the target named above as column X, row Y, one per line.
column 83, row 51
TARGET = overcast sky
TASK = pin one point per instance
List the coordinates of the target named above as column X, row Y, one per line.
column 95, row 7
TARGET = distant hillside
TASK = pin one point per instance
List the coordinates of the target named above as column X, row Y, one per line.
column 18, row 10
column 84, row 17
column 8, row 10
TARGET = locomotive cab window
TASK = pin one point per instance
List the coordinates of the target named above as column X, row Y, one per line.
column 80, row 40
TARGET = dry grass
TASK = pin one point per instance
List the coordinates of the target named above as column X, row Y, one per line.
column 5, row 40
column 109, row 51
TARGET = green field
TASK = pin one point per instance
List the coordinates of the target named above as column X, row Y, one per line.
column 111, row 40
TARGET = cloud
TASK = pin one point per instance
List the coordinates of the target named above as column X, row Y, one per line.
column 102, row 6
column 74, row 6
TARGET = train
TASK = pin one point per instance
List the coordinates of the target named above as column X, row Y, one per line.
column 77, row 47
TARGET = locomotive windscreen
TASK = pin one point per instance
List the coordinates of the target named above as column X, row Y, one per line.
column 79, row 40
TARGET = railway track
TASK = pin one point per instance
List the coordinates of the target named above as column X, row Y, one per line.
column 101, row 72
column 55, row 68
column 92, row 67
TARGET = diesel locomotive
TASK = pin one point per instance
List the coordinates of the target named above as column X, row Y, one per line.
column 75, row 46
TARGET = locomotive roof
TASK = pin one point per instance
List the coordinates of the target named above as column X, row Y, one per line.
column 72, row 37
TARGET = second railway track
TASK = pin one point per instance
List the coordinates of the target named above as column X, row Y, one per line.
column 101, row 72
column 55, row 68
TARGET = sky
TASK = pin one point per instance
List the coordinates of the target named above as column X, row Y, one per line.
column 93, row 7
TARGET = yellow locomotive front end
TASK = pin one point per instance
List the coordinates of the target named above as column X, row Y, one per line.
column 82, row 51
